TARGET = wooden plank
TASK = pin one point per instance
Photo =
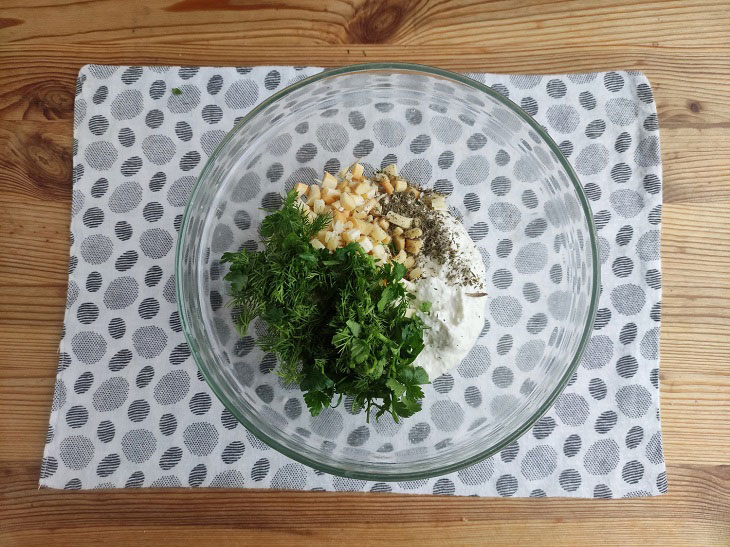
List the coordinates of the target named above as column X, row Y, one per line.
column 37, row 160
column 36, row 246
column 683, row 48
column 694, row 172
column 34, row 364
column 688, row 81
column 529, row 24
column 696, row 508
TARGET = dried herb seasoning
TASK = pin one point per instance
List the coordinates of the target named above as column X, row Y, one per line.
column 438, row 242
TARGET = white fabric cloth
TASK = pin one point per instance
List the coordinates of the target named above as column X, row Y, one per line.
column 130, row 409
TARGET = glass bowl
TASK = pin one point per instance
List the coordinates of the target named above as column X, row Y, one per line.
column 507, row 182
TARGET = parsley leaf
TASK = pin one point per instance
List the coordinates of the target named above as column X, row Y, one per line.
column 336, row 321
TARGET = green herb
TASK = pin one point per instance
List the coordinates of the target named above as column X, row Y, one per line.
column 176, row 91
column 337, row 321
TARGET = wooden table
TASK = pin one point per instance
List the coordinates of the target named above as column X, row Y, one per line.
column 683, row 47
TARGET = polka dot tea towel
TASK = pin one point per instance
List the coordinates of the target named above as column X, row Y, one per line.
column 129, row 407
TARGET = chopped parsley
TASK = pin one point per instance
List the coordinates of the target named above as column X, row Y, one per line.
column 176, row 91
column 337, row 321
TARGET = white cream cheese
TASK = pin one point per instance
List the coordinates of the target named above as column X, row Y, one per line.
column 456, row 318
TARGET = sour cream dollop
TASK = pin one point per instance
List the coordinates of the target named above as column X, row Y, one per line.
column 456, row 318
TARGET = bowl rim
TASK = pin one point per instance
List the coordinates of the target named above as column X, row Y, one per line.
column 568, row 373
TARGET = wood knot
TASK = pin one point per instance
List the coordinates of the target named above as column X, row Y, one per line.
column 52, row 101
column 376, row 21
column 695, row 107
column 48, row 163
column 6, row 22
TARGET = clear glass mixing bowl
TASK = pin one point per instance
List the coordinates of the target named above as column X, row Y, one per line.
column 509, row 184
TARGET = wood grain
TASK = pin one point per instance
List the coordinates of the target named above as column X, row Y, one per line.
column 683, row 47
column 521, row 25
column 696, row 508
column 690, row 82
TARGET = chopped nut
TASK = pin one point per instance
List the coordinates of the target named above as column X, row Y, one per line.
column 339, row 227
column 369, row 205
column 362, row 188
column 378, row 234
column 401, row 256
column 305, row 208
column 347, row 201
column 399, row 220
column 391, row 170
column 414, row 246
column 380, row 253
column 319, row 206
column 380, row 177
column 356, row 204
column 299, row 204
column 416, row 192
column 351, row 236
column 314, row 194
column 330, row 195
column 333, row 243
column 301, row 188
column 438, row 203
column 366, row 243
column 365, row 227
column 328, row 181
column 400, row 242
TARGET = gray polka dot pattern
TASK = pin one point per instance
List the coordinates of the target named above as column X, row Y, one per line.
column 130, row 409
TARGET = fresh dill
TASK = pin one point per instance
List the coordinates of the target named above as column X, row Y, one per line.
column 339, row 323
